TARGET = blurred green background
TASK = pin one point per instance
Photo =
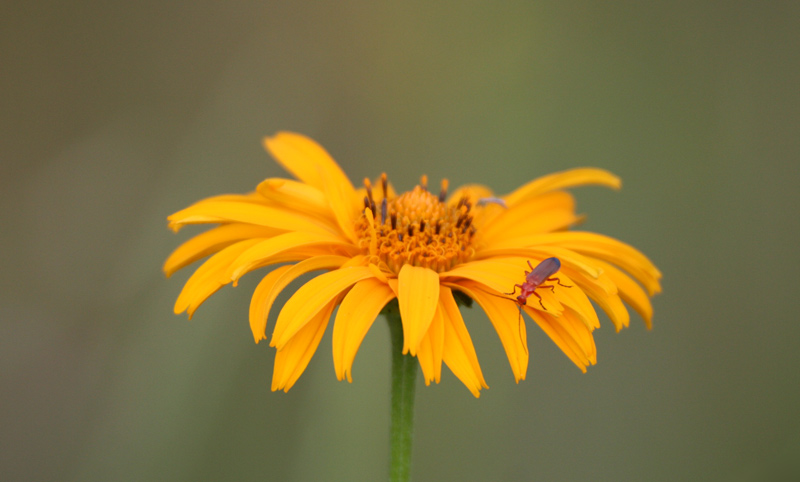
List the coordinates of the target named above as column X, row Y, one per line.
column 116, row 114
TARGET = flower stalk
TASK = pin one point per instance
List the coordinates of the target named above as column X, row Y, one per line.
column 404, row 377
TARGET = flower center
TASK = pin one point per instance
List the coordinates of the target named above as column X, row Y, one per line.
column 416, row 228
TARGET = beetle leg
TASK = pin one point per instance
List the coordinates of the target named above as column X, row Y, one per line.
column 559, row 282
column 515, row 290
column 540, row 300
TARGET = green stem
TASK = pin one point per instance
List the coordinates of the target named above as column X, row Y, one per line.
column 404, row 377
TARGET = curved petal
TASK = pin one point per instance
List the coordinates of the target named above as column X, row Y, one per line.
column 418, row 292
column 596, row 245
column 570, row 260
column 225, row 211
column 313, row 165
column 260, row 304
column 292, row 360
column 562, row 180
column 507, row 322
column 556, row 295
column 311, row 298
column 458, row 351
column 501, row 274
column 630, row 292
column 253, row 197
column 543, row 213
column 579, row 333
column 610, row 302
column 263, row 253
column 570, row 335
column 430, row 350
column 585, row 272
column 356, row 314
column 342, row 198
column 205, row 280
column 296, row 195
column 576, row 300
column 274, row 282
column 212, row 241
column 305, row 159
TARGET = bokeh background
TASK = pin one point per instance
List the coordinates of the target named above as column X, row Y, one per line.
column 115, row 114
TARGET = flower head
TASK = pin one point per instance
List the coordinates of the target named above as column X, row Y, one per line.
column 423, row 249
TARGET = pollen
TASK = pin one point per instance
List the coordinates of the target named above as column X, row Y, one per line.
column 416, row 227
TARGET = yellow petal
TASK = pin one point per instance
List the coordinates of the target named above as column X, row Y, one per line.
column 501, row 274
column 430, row 350
column 507, row 322
column 342, row 198
column 487, row 272
column 357, row 260
column 583, row 271
column 417, row 297
column 458, row 351
column 260, row 215
column 205, row 280
column 296, row 195
column 305, row 159
column 598, row 246
column 543, row 213
column 253, row 197
column 263, row 253
column 260, row 304
column 356, row 314
column 576, row 300
column 570, row 260
column 544, row 222
column 311, row 298
column 630, row 292
column 578, row 332
column 610, row 302
column 566, row 341
column 312, row 164
column 212, row 241
column 563, row 180
column 274, row 282
column 292, row 360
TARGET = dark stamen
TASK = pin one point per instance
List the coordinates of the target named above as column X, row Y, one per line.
column 443, row 192
column 368, row 186
column 411, row 230
column 438, row 226
column 366, row 202
column 383, row 184
column 422, row 225
column 383, row 211
column 394, row 220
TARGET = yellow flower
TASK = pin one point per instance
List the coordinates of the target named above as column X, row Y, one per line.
column 420, row 248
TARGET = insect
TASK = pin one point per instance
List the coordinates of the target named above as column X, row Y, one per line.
column 535, row 279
